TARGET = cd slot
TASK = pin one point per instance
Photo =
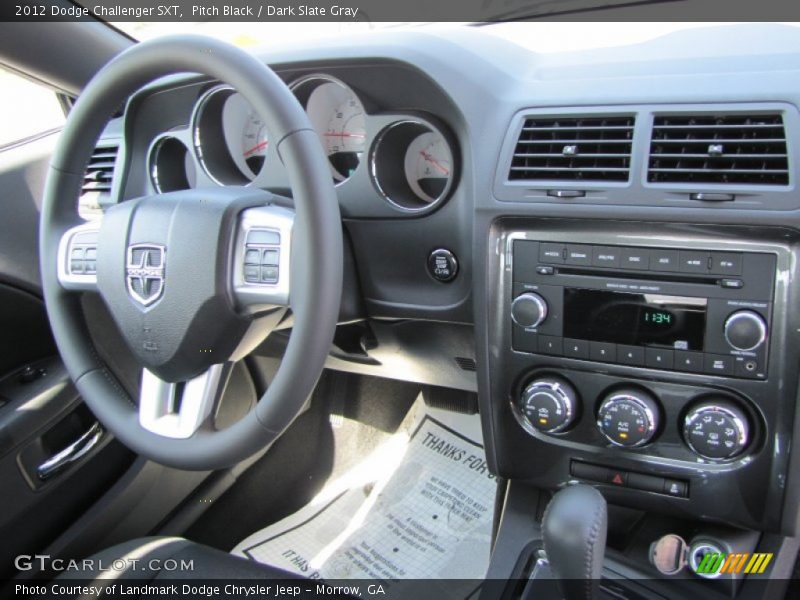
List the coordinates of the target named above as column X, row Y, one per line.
column 661, row 277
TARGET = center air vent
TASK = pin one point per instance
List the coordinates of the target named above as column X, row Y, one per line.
column 723, row 149
column 573, row 149
column 100, row 171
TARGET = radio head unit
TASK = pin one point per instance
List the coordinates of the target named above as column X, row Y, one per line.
column 693, row 311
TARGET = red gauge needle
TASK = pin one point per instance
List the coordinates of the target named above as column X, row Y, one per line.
column 345, row 135
column 256, row 148
column 434, row 162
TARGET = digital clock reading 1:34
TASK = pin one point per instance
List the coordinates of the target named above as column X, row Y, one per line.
column 658, row 317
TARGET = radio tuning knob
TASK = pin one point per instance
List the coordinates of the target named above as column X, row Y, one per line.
column 745, row 330
column 529, row 310
column 628, row 417
column 716, row 429
column 549, row 404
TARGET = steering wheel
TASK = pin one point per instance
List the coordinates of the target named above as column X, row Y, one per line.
column 176, row 270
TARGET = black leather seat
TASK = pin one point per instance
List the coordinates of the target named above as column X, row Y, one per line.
column 163, row 560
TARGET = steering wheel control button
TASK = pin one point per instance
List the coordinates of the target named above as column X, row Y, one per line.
column 529, row 310
column 270, row 258
column 251, row 273
column 549, row 404
column 263, row 237
column 269, row 274
column 628, row 418
column 442, row 265
column 262, row 256
column 717, row 429
column 745, row 330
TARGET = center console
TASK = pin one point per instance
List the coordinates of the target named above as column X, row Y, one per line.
column 656, row 362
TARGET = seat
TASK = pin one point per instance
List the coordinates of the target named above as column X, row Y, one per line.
column 162, row 560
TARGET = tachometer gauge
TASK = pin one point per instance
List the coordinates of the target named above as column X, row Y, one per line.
column 412, row 165
column 230, row 138
column 338, row 117
column 428, row 166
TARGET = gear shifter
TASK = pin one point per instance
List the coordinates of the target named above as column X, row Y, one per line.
column 574, row 530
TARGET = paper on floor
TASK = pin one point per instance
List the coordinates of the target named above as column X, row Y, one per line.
column 419, row 507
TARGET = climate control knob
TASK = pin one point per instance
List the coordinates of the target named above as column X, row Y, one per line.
column 745, row 330
column 529, row 310
column 628, row 417
column 716, row 429
column 549, row 404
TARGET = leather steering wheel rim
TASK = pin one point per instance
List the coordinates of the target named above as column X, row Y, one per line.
column 316, row 266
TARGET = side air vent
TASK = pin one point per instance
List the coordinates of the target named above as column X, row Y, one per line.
column 100, row 171
column 722, row 149
column 466, row 364
column 573, row 149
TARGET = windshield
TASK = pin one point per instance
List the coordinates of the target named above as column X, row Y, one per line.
column 540, row 36
column 246, row 34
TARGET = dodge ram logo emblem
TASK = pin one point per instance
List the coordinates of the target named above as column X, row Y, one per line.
column 144, row 272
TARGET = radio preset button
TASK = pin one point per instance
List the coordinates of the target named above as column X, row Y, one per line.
column 664, row 260
column 550, row 345
column 579, row 255
column 602, row 351
column 726, row 263
column 630, row 355
column 551, row 253
column 605, row 256
column 576, row 348
column 693, row 262
column 658, row 358
column 689, row 361
column 718, row 364
column 634, row 258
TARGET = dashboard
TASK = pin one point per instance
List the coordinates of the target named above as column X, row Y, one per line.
column 621, row 239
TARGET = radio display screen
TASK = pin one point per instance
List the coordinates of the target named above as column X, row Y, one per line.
column 635, row 319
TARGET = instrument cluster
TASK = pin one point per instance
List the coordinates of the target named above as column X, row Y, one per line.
column 409, row 159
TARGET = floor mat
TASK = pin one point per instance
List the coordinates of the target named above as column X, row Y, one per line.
column 419, row 507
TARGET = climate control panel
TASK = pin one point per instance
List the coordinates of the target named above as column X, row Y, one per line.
column 712, row 427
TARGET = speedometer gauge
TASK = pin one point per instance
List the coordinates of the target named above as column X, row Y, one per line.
column 254, row 142
column 428, row 165
column 338, row 117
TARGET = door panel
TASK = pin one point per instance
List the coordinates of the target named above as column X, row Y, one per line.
column 43, row 421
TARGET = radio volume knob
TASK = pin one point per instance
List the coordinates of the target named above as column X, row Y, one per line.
column 745, row 330
column 529, row 310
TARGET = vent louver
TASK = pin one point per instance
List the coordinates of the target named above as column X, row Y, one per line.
column 721, row 149
column 573, row 149
column 100, row 171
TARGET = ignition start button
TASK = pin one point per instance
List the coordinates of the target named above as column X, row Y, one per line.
column 442, row 265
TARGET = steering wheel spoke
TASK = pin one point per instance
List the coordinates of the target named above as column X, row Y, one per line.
column 178, row 410
column 262, row 258
column 77, row 257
